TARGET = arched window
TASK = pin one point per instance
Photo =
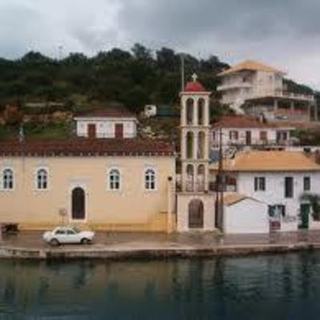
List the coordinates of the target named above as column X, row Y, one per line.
column 190, row 110
column 190, row 177
column 114, row 179
column 42, row 179
column 7, row 179
column 201, row 145
column 189, row 144
column 150, row 179
column 200, row 178
column 201, row 111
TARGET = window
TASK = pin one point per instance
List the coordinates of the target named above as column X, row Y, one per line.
column 42, row 179
column 233, row 135
column 306, row 184
column 259, row 184
column 7, row 179
column 263, row 135
column 150, row 180
column 60, row 231
column 114, row 179
column 288, row 187
column 277, row 211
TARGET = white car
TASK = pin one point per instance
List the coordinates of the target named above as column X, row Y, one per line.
column 66, row 235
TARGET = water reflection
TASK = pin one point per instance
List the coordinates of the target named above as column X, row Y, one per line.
column 265, row 287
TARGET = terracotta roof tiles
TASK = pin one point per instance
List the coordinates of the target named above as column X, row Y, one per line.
column 109, row 112
column 270, row 161
column 250, row 65
column 243, row 122
column 87, row 147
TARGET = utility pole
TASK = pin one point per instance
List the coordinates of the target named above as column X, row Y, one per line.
column 220, row 185
column 182, row 70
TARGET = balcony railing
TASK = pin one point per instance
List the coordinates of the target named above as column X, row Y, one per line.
column 227, row 86
column 283, row 94
column 256, row 142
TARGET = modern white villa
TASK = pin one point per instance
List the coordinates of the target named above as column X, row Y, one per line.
column 255, row 88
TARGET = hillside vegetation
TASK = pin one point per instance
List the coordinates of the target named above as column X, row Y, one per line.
column 40, row 85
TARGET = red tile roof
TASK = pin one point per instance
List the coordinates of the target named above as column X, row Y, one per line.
column 194, row 86
column 87, row 147
column 109, row 112
column 243, row 122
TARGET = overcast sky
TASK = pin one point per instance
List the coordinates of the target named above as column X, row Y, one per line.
column 283, row 33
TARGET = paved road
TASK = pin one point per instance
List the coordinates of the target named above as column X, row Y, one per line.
column 32, row 239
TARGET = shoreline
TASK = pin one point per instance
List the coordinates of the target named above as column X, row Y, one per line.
column 149, row 252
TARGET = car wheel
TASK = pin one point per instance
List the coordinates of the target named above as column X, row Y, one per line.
column 54, row 242
column 85, row 241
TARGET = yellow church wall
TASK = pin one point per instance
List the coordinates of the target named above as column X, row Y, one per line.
column 132, row 208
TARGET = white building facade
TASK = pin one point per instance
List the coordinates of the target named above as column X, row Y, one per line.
column 247, row 131
column 278, row 179
column 261, row 88
column 107, row 124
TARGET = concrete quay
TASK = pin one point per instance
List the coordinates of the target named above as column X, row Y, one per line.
column 29, row 245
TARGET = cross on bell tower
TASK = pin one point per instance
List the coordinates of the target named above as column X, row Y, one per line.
column 195, row 131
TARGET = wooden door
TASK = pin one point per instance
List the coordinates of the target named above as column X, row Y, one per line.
column 92, row 131
column 119, row 130
column 196, row 219
column 248, row 138
column 78, row 204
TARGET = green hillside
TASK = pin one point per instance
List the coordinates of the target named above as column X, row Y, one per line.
column 40, row 85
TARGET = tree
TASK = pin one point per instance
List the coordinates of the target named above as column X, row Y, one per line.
column 12, row 115
column 167, row 59
column 140, row 52
column 136, row 99
column 33, row 57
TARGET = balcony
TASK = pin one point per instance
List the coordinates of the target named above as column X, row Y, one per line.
column 234, row 85
column 284, row 95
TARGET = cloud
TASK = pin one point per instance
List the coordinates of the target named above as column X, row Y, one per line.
column 284, row 33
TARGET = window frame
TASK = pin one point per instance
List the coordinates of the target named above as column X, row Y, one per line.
column 41, row 189
column 287, row 194
column 145, row 182
column 260, row 184
column 109, row 182
column 306, row 183
column 233, row 135
column 3, row 188
column 263, row 135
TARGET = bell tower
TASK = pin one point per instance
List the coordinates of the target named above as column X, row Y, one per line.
column 195, row 131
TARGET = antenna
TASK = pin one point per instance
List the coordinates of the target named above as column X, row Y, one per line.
column 60, row 48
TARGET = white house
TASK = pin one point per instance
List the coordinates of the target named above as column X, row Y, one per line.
column 277, row 178
column 247, row 131
column 257, row 88
column 243, row 214
column 107, row 123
